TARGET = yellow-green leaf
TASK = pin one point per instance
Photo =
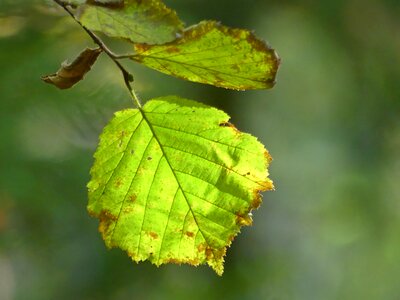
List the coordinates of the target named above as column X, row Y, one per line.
column 214, row 54
column 139, row 21
column 173, row 182
column 71, row 73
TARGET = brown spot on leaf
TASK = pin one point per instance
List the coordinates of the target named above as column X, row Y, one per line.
column 266, row 185
column 134, row 256
column 106, row 214
column 209, row 253
column 132, row 197
column 215, row 254
column 118, row 183
column 243, row 220
column 194, row 262
column 189, row 234
column 173, row 49
column 256, row 43
column 173, row 261
column 153, row 235
column 225, row 124
column 201, row 247
column 230, row 125
column 140, row 48
column 257, row 199
column 267, row 156
column 106, row 220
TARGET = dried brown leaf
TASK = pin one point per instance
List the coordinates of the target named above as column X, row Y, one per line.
column 71, row 73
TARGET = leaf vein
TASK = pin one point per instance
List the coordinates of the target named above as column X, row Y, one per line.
column 212, row 185
column 119, row 163
column 166, row 226
column 200, row 136
column 216, row 205
column 213, row 162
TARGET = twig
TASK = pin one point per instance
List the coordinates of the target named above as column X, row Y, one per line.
column 128, row 78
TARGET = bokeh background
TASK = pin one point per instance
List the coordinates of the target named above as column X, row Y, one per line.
column 331, row 230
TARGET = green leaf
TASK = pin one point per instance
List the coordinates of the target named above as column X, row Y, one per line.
column 73, row 3
column 71, row 73
column 214, row 54
column 173, row 182
column 139, row 21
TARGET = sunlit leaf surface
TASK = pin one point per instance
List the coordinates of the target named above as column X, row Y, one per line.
column 214, row 54
column 174, row 182
column 139, row 21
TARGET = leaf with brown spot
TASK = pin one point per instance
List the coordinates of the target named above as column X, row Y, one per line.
column 214, row 54
column 71, row 73
column 138, row 21
column 153, row 235
column 188, row 202
column 189, row 234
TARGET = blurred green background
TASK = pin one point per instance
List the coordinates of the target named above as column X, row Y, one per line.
column 331, row 230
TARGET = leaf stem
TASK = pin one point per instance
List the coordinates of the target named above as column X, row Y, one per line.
column 128, row 77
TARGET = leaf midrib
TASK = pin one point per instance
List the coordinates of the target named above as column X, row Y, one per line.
column 266, row 81
column 143, row 113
